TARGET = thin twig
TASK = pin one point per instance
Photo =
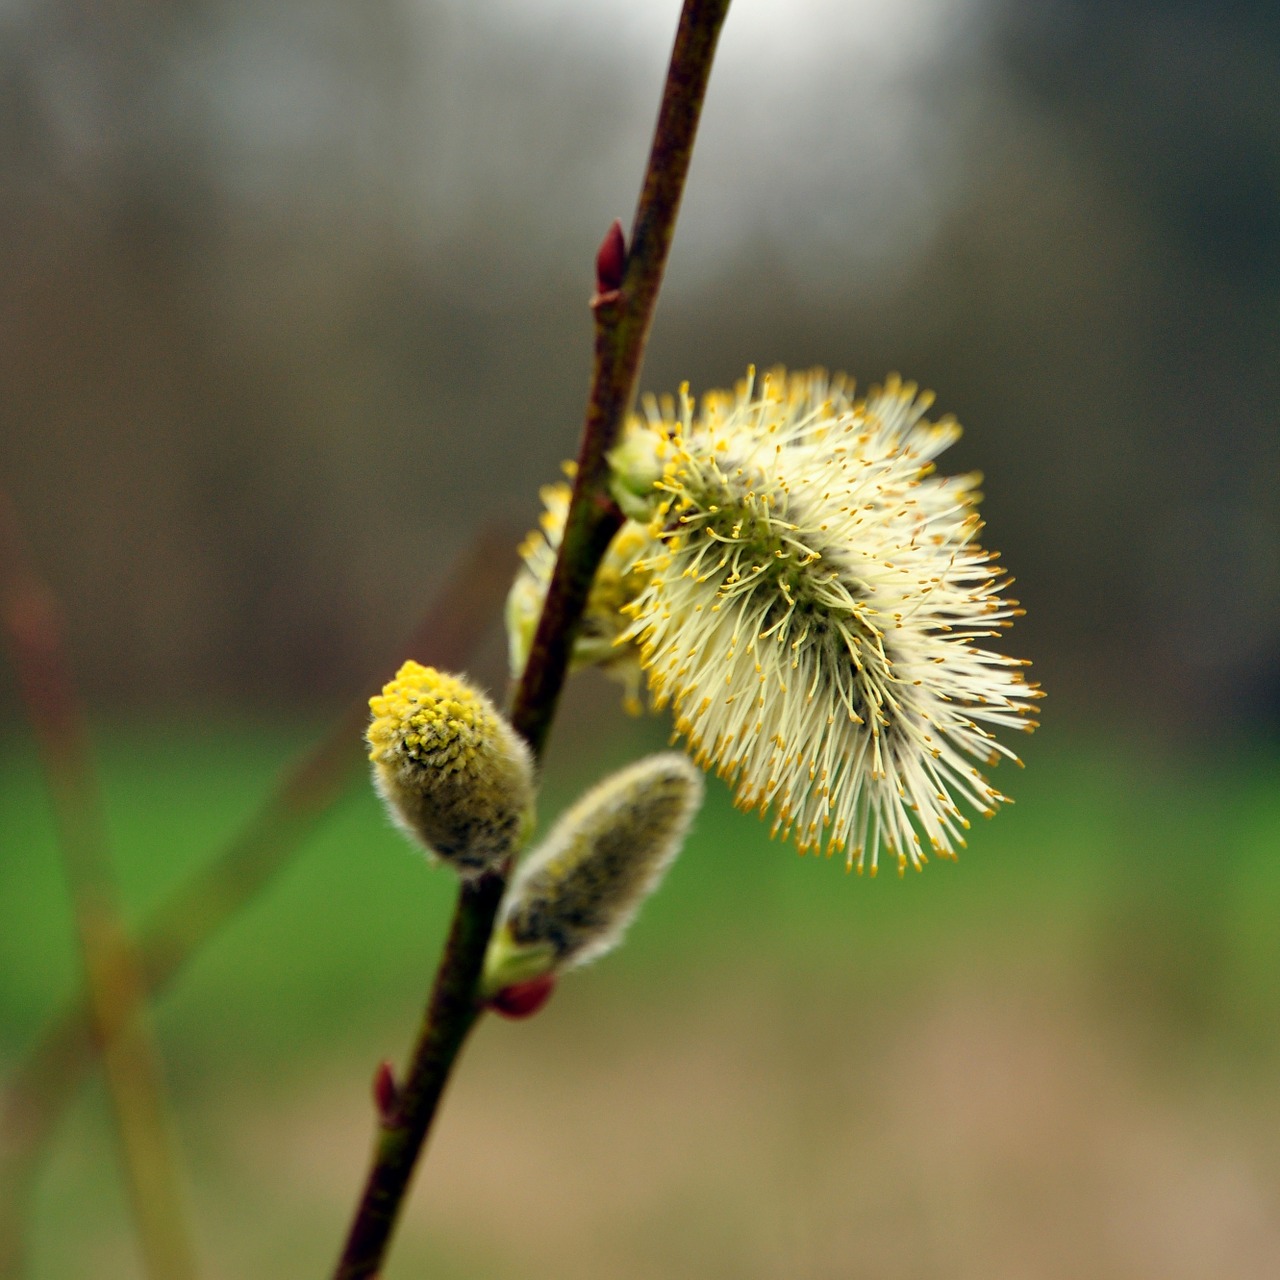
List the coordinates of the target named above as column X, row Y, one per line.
column 623, row 318
column 63, row 1056
column 112, row 967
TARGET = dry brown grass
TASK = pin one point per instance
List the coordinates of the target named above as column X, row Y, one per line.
column 990, row 1128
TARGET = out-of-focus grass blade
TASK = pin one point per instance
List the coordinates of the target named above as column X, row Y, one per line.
column 64, row 1054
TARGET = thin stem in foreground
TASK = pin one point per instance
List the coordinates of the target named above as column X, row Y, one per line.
column 64, row 1054
column 112, row 967
column 623, row 318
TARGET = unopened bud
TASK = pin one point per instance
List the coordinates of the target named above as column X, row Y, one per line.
column 574, row 897
column 454, row 774
column 523, row 999
column 611, row 260
column 386, row 1093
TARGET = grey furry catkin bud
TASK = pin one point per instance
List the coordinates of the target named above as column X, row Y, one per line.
column 574, row 897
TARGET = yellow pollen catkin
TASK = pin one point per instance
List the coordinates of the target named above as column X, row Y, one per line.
column 816, row 638
column 619, row 579
column 453, row 772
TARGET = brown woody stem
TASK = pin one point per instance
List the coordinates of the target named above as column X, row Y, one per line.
column 623, row 318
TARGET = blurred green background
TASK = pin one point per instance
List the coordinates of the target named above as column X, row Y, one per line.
column 292, row 302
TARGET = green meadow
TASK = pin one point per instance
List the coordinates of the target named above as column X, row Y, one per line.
column 1054, row 1057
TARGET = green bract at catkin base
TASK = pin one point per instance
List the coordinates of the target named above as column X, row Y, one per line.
column 574, row 897
column 454, row 774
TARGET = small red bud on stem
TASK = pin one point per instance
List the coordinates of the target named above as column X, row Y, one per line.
column 386, row 1093
column 524, row 999
column 611, row 264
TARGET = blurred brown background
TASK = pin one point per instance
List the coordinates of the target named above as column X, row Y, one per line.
column 293, row 301
column 292, row 296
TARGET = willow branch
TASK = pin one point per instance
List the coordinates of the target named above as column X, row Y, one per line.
column 112, row 968
column 623, row 318
column 63, row 1057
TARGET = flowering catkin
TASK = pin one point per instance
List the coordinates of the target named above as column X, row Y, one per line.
column 454, row 774
column 616, row 582
column 812, row 603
